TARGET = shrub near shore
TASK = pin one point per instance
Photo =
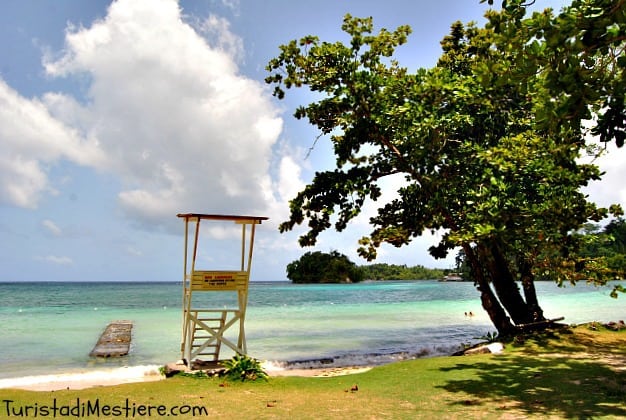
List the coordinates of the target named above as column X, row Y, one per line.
column 573, row 372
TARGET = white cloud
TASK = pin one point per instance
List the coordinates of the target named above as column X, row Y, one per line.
column 233, row 5
column 290, row 182
column 176, row 121
column 21, row 180
column 612, row 188
column 218, row 29
column 31, row 138
column 53, row 259
column 134, row 251
column 52, row 227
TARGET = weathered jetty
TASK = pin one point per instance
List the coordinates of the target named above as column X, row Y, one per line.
column 114, row 341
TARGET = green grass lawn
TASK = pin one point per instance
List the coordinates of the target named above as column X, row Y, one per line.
column 574, row 373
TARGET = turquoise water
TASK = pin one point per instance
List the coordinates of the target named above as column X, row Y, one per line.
column 52, row 327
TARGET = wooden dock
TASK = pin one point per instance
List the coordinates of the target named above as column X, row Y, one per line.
column 114, row 341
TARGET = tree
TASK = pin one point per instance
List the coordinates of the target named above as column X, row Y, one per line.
column 382, row 271
column 616, row 230
column 321, row 267
column 486, row 155
column 608, row 243
column 579, row 56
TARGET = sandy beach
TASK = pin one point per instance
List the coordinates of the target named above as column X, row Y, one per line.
column 321, row 372
column 118, row 376
column 82, row 380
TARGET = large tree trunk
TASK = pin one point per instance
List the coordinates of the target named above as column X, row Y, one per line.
column 489, row 301
column 528, row 283
column 503, row 282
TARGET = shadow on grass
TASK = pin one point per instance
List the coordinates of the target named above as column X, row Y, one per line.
column 582, row 339
column 541, row 386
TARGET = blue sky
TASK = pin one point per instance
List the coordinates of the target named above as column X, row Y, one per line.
column 116, row 116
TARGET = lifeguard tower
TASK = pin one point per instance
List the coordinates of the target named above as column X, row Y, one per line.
column 204, row 328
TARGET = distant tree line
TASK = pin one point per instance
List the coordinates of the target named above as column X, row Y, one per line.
column 609, row 243
column 606, row 243
column 401, row 272
column 334, row 267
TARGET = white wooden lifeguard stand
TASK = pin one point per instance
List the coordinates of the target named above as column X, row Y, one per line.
column 204, row 328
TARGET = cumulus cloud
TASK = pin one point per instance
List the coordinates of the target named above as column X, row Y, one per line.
column 32, row 138
column 164, row 111
column 170, row 113
column 611, row 189
column 289, row 182
column 218, row 29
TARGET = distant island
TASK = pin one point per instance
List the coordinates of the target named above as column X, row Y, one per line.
column 334, row 267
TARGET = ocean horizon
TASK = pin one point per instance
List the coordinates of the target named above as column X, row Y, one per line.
column 50, row 327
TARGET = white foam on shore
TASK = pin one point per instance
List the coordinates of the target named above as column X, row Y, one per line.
column 357, row 359
column 86, row 379
column 272, row 366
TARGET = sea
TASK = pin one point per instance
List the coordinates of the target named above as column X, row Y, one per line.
column 49, row 328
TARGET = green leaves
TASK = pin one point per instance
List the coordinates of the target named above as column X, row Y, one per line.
column 321, row 267
column 487, row 141
column 243, row 368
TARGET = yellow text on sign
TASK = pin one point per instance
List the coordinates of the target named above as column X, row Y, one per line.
column 219, row 280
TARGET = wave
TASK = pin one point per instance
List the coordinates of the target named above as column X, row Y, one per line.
column 360, row 359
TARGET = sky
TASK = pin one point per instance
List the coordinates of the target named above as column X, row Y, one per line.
column 117, row 115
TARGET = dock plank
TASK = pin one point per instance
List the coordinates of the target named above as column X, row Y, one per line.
column 114, row 341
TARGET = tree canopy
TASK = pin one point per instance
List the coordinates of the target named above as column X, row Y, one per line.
column 383, row 271
column 488, row 141
column 322, row 267
column 608, row 242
